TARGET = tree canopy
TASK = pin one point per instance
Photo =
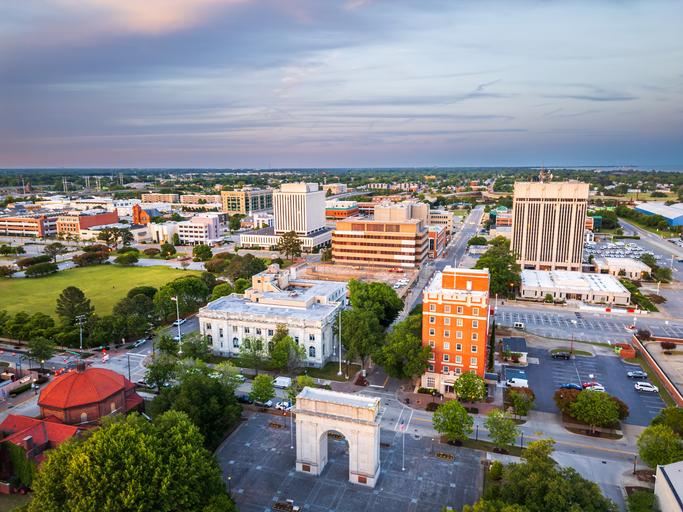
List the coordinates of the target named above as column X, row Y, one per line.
column 290, row 245
column 72, row 303
column 659, row 445
column 190, row 291
column 451, row 420
column 131, row 464
column 403, row 356
column 362, row 333
column 380, row 298
column 502, row 265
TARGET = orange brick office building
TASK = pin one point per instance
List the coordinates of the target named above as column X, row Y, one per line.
column 455, row 319
column 84, row 396
column 75, row 222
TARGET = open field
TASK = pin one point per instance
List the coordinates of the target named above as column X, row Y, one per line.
column 104, row 285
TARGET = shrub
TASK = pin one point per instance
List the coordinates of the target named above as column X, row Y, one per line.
column 126, row 259
column 41, row 269
column 641, row 501
column 152, row 251
column 496, row 471
column 126, row 250
column 29, row 262
column 20, row 389
column 426, row 391
column 96, row 248
column 667, row 346
column 216, row 265
column 90, row 258
column 643, row 334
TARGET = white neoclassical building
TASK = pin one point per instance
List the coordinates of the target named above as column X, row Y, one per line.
column 307, row 308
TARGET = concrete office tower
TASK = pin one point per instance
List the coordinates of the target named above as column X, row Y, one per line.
column 548, row 222
column 299, row 207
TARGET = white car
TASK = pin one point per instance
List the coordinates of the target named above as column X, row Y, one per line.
column 138, row 343
column 178, row 338
column 646, row 386
column 397, row 286
column 283, row 406
column 179, row 322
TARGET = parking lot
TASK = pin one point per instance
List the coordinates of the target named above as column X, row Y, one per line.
column 546, row 377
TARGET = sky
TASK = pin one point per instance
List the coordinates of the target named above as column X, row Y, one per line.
column 355, row 83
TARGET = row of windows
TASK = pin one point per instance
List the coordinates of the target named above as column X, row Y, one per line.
column 458, row 360
column 458, row 334
column 258, row 331
column 236, row 344
column 447, row 309
column 459, row 321
column 447, row 346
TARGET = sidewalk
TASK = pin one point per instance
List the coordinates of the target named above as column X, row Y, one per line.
column 419, row 401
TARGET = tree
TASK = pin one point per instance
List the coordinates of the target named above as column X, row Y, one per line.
column 209, row 404
column 197, row 346
column 131, row 464
column 222, row 290
column 522, row 403
column 151, row 252
column 109, row 236
column 202, row 252
column 290, row 245
column 503, row 267
column 217, row 265
column 167, row 249
column 126, row 237
column 361, row 334
column 656, row 299
column 281, row 332
column 502, row 429
column 548, row 298
column 668, row 346
column 470, row 387
column 190, row 292
column 54, row 250
column 662, row 274
column 161, row 369
column 228, row 374
column 176, row 239
column 641, row 501
column 496, row 471
column 41, row 269
column 167, row 344
column 659, row 445
column 252, row 352
column 127, row 259
column 287, row 355
column 242, row 285
column 403, row 355
column 298, row 384
column 176, row 217
column 595, row 408
column 476, row 240
column 244, row 267
column 451, row 420
column 671, row 417
column 41, row 349
column 235, row 223
column 6, row 271
column 208, row 279
column 262, row 389
column 380, row 298
column 72, row 303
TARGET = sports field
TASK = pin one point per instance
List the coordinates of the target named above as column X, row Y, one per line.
column 104, row 285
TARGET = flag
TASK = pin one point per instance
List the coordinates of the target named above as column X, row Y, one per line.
column 400, row 428
column 174, row 299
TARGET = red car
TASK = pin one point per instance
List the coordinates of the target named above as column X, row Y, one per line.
column 591, row 384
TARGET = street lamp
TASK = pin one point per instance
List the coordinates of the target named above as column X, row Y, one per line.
column 35, row 391
column 571, row 350
column 592, row 380
column 666, row 325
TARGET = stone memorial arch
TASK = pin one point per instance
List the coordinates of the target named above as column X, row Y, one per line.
column 356, row 417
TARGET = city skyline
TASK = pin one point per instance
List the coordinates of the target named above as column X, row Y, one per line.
column 222, row 83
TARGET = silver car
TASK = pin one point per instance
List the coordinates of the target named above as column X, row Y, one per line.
column 646, row 386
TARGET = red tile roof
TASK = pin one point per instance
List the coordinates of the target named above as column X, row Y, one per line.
column 21, row 426
column 75, row 389
column 132, row 401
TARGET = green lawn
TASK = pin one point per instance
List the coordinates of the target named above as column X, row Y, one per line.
column 329, row 371
column 104, row 285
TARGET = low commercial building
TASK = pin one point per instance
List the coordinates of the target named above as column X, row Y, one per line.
column 672, row 214
column 437, row 240
column 22, row 223
column 505, row 231
column 267, row 238
column 307, row 308
column 669, row 487
column 336, row 188
column 340, row 209
column 567, row 285
column 622, row 267
column 160, row 198
column 478, row 249
column 76, row 222
column 357, row 241
column 163, row 233
column 200, row 199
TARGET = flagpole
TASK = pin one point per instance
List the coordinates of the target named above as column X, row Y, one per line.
column 403, row 467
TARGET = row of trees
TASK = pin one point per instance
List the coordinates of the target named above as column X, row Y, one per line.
column 597, row 408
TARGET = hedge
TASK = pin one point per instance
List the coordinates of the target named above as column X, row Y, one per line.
column 20, row 389
column 27, row 262
column 41, row 269
column 427, row 391
column 618, row 237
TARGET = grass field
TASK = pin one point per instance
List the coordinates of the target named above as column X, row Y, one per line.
column 104, row 285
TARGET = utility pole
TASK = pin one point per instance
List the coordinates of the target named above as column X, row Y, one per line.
column 80, row 319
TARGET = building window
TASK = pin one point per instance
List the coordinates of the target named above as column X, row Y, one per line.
column 113, row 407
column 311, row 337
column 446, row 346
column 430, row 380
column 473, row 361
column 459, row 322
column 458, row 334
column 447, row 309
column 208, row 327
column 475, row 336
column 246, row 330
column 445, row 369
column 474, row 349
column 84, row 417
column 431, row 369
column 473, row 371
column 311, row 351
column 210, row 338
column 458, row 359
column 234, row 328
column 431, row 356
column 431, row 343
column 447, row 334
column 432, row 332
column 447, row 321
column 475, row 311
column 458, row 346
column 446, row 357
column 220, row 333
column 475, row 324
column 258, row 332
column 432, row 320
column 235, row 342
column 457, row 371
column 296, row 340
column 270, row 332
column 460, row 310
column 432, row 307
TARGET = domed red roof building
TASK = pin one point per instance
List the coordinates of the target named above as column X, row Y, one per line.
column 84, row 396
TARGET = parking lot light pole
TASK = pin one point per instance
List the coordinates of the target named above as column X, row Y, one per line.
column 592, row 380
column 571, row 350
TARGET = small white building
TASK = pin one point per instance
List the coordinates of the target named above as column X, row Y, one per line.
column 307, row 308
column 632, row 269
column 588, row 236
column 669, row 487
column 567, row 285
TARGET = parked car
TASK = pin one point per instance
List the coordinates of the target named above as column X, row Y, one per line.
column 570, row 386
column 561, row 355
column 138, row 343
column 597, row 388
column 178, row 338
column 646, row 386
column 243, row 399
column 637, row 375
column 630, row 328
column 269, row 403
column 179, row 322
column 283, row 406
column 143, row 382
column 590, row 384
column 397, row 286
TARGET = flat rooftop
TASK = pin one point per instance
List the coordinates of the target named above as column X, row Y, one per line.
column 572, row 281
column 336, row 397
column 236, row 305
column 436, row 284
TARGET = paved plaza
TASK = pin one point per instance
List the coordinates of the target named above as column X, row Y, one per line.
column 260, row 463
